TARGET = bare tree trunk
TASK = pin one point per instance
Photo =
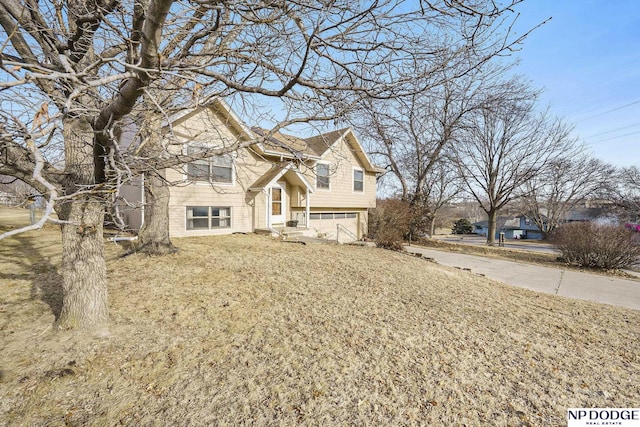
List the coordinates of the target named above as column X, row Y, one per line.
column 154, row 234
column 491, row 233
column 432, row 226
column 84, row 272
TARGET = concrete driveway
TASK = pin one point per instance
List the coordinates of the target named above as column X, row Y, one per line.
column 568, row 283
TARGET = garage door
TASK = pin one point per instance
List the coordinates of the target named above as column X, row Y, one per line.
column 336, row 225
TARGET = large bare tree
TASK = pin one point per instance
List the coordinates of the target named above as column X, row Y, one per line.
column 409, row 134
column 442, row 186
column 75, row 74
column 624, row 189
column 561, row 185
column 505, row 144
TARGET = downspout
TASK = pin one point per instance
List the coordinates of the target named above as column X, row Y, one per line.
column 142, row 201
column 267, row 207
column 268, row 212
column 307, row 212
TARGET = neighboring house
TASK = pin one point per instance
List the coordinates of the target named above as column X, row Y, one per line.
column 523, row 227
column 323, row 185
column 599, row 215
column 518, row 227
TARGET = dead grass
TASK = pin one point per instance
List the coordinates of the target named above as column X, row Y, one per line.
column 245, row 330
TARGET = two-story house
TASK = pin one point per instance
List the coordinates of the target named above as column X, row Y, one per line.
column 322, row 185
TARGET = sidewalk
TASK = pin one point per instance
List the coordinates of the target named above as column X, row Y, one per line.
column 572, row 284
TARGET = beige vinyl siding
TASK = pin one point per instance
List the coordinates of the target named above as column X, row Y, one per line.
column 341, row 193
column 260, row 210
column 206, row 195
column 209, row 128
column 249, row 209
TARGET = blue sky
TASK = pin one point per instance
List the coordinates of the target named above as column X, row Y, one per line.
column 587, row 59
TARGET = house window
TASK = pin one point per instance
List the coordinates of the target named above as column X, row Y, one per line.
column 322, row 175
column 217, row 169
column 207, row 217
column 358, row 180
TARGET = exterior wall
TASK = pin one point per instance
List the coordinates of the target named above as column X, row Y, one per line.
column 533, row 234
column 260, row 210
column 342, row 162
column 525, row 231
column 131, row 208
column 481, row 230
column 247, row 207
column 207, row 195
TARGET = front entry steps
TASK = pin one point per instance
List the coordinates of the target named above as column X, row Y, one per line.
column 287, row 233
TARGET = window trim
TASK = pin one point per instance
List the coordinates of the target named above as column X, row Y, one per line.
column 210, row 165
column 209, row 218
column 328, row 176
column 353, row 180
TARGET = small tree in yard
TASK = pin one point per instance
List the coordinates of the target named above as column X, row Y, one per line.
column 587, row 244
column 462, row 226
column 389, row 223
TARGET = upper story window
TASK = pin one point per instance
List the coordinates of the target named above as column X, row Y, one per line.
column 322, row 176
column 217, row 169
column 358, row 180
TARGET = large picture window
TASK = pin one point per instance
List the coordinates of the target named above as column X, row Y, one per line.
column 322, row 176
column 358, row 180
column 217, row 169
column 208, row 217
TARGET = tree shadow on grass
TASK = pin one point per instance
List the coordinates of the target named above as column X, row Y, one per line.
column 35, row 266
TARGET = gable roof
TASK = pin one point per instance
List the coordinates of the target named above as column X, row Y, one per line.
column 220, row 106
column 278, row 143
column 314, row 148
column 357, row 149
column 276, row 172
column 322, row 143
column 502, row 222
column 584, row 214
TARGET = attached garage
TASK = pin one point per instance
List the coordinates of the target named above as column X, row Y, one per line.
column 344, row 226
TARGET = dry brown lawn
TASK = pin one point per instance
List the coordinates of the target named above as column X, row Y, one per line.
column 247, row 330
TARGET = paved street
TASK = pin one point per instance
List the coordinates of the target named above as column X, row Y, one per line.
column 529, row 245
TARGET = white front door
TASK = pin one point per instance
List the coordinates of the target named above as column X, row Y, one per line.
column 278, row 203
